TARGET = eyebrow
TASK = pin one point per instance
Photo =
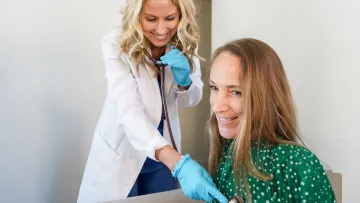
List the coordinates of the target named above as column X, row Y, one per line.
column 228, row 86
column 155, row 16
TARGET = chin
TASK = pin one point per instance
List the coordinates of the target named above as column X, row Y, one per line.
column 159, row 44
column 227, row 134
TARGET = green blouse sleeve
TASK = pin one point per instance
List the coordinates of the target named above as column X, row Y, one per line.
column 307, row 178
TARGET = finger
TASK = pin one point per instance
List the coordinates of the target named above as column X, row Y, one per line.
column 165, row 61
column 204, row 194
column 208, row 178
column 207, row 197
column 164, row 57
column 217, row 194
column 169, row 54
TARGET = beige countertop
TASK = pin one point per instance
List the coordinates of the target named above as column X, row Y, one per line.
column 175, row 196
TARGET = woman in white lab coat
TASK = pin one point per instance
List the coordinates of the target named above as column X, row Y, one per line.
column 131, row 152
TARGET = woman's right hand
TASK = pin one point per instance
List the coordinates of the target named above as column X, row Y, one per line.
column 195, row 181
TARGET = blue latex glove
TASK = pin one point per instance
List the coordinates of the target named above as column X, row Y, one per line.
column 180, row 66
column 195, row 181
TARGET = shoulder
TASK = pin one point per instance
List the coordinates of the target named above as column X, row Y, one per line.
column 111, row 45
column 295, row 152
column 111, row 37
column 295, row 155
column 302, row 172
column 299, row 163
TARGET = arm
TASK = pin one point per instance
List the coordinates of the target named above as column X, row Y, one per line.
column 122, row 89
column 168, row 156
column 312, row 182
column 193, row 95
column 189, row 90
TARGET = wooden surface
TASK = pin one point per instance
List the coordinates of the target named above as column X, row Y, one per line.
column 175, row 196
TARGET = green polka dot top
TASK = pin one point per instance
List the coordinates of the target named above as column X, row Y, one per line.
column 298, row 176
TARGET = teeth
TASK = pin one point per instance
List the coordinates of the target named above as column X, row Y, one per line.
column 160, row 37
column 226, row 119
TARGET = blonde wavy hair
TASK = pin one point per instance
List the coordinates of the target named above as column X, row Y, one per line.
column 132, row 37
column 269, row 113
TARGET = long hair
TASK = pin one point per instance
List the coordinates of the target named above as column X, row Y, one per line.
column 132, row 35
column 269, row 113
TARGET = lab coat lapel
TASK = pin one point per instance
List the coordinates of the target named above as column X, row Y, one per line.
column 169, row 79
column 153, row 83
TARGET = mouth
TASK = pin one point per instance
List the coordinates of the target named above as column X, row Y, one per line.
column 226, row 119
column 160, row 37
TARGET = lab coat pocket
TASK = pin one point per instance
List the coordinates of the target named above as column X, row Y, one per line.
column 103, row 164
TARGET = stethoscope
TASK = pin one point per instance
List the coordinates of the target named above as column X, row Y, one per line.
column 161, row 67
column 236, row 199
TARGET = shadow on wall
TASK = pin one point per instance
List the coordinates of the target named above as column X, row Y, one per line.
column 194, row 119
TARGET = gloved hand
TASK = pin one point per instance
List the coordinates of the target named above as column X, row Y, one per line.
column 195, row 181
column 180, row 66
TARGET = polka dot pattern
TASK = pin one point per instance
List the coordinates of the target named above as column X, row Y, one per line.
column 298, row 176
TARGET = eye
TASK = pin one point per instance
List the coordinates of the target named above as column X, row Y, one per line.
column 170, row 18
column 235, row 92
column 213, row 88
column 151, row 19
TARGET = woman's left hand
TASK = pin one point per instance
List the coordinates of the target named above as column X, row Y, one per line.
column 180, row 66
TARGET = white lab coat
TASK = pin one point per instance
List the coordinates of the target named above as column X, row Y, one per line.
column 126, row 132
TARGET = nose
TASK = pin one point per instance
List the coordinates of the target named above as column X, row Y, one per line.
column 220, row 103
column 161, row 28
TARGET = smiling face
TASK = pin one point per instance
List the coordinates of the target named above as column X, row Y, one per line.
column 159, row 20
column 226, row 97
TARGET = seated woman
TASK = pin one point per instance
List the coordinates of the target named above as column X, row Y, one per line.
column 254, row 150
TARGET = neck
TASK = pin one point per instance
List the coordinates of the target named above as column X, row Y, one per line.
column 157, row 52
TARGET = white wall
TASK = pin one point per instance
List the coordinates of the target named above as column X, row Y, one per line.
column 52, row 89
column 318, row 42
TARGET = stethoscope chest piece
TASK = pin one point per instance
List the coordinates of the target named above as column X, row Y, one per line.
column 236, row 199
